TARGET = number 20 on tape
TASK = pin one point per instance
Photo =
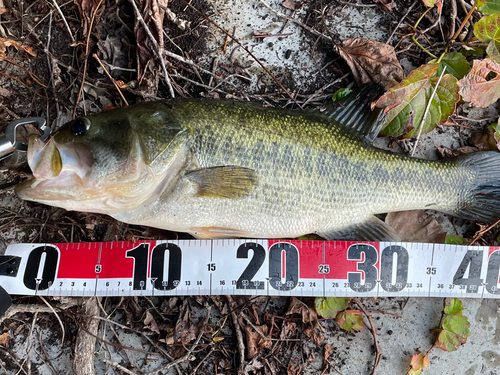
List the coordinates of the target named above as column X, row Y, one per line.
column 252, row 267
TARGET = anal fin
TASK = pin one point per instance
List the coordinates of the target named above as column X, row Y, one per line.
column 373, row 229
column 213, row 233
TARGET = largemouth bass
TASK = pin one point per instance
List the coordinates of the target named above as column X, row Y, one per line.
column 220, row 169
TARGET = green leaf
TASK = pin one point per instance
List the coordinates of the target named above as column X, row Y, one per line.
column 329, row 307
column 472, row 51
column 454, row 327
column 454, row 240
column 341, row 94
column 310, row 237
column 455, row 307
column 454, row 332
column 407, row 102
column 488, row 6
column 455, row 63
column 350, row 320
column 487, row 29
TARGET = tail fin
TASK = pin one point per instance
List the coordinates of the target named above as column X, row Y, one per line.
column 482, row 203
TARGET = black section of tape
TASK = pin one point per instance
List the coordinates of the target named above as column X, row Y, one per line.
column 9, row 265
column 5, row 301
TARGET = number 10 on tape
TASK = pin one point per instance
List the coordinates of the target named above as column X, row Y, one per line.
column 251, row 267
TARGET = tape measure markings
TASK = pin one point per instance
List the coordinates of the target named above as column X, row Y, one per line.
column 252, row 267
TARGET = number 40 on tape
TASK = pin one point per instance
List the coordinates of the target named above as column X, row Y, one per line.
column 251, row 267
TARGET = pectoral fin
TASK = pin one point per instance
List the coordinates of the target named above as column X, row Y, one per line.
column 373, row 229
column 224, row 182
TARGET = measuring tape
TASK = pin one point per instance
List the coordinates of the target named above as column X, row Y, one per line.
column 251, row 267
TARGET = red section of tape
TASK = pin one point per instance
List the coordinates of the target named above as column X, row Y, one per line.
column 78, row 260
column 336, row 254
column 87, row 260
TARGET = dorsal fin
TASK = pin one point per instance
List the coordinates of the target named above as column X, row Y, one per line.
column 354, row 112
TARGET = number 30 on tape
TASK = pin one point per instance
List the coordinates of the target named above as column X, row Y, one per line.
column 251, row 267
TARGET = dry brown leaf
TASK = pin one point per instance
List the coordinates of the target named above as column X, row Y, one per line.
column 86, row 9
column 476, row 88
column 308, row 314
column 4, row 43
column 255, row 341
column 4, row 92
column 185, row 330
column 328, row 350
column 292, row 5
column 133, row 311
column 293, row 370
column 158, row 8
column 484, row 140
column 445, row 152
column 150, row 323
column 371, row 61
column 385, row 4
column 253, row 366
column 4, row 338
column 416, row 226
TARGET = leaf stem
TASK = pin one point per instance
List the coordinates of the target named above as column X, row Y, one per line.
column 423, row 48
column 415, row 39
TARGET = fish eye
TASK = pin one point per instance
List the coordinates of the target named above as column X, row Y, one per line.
column 80, row 126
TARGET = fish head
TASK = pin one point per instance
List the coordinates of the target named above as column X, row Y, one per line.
column 105, row 163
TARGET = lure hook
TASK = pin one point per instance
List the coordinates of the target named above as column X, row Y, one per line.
column 9, row 143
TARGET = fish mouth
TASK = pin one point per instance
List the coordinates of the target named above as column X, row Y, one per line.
column 59, row 170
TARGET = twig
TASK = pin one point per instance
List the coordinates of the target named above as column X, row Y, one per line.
column 116, row 365
column 6, row 109
column 40, row 342
column 26, row 70
column 189, row 62
column 483, row 232
column 239, row 336
column 157, row 47
column 83, row 363
column 64, row 20
column 86, row 56
column 214, row 69
column 25, row 308
column 464, row 22
column 303, row 25
column 58, row 318
column 378, row 353
column 202, row 361
column 94, row 55
column 319, row 91
column 453, row 15
column 20, row 365
column 385, row 313
column 187, row 356
column 359, row 5
column 422, row 122
column 247, row 51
